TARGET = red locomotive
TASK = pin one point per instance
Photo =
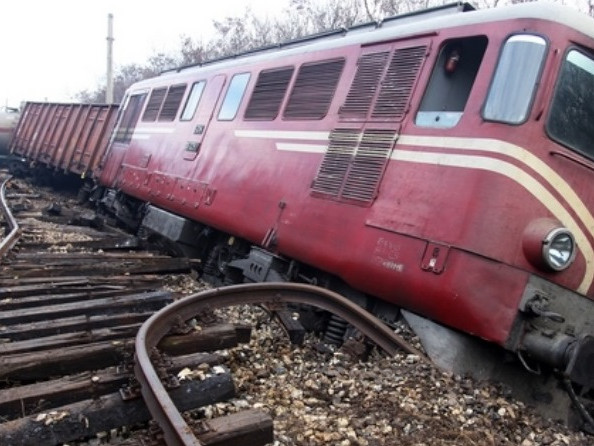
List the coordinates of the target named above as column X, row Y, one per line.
column 440, row 162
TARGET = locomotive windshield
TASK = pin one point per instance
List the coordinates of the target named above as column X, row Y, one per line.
column 571, row 120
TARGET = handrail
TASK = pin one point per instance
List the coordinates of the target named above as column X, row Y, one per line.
column 575, row 159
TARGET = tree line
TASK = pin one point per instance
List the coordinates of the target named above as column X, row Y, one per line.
column 237, row 34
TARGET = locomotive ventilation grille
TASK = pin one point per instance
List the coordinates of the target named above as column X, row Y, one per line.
column 154, row 104
column 398, row 83
column 354, row 164
column 172, row 102
column 369, row 73
column 381, row 88
column 313, row 90
column 268, row 94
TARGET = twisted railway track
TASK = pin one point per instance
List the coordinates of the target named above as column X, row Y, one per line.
column 91, row 341
column 163, row 409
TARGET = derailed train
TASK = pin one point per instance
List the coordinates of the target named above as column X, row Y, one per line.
column 9, row 117
column 439, row 162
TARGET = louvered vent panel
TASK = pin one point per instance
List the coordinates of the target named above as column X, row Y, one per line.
column 368, row 165
column 336, row 161
column 154, row 104
column 268, row 94
column 397, row 86
column 314, row 89
column 369, row 73
column 172, row 102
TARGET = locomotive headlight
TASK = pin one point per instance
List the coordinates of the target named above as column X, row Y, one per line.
column 548, row 245
column 558, row 249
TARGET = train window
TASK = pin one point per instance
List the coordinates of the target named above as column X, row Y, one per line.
column 516, row 77
column 268, row 94
column 193, row 101
column 129, row 118
column 314, row 89
column 452, row 79
column 570, row 119
column 233, row 97
column 154, row 104
column 172, row 102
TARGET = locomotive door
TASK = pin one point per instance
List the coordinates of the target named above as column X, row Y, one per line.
column 370, row 120
column 205, row 113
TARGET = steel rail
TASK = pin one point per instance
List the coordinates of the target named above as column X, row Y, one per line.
column 15, row 232
column 162, row 408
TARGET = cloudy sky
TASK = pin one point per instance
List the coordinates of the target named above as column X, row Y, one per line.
column 52, row 49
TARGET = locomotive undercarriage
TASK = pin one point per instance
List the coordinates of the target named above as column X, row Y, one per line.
column 544, row 363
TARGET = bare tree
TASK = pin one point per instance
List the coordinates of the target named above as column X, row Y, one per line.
column 238, row 34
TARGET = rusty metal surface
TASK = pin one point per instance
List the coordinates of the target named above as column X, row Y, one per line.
column 175, row 429
column 68, row 137
column 15, row 232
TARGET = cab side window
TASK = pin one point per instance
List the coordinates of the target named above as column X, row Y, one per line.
column 129, row 118
column 451, row 82
column 515, row 80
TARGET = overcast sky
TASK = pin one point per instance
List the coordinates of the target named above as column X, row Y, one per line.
column 52, row 49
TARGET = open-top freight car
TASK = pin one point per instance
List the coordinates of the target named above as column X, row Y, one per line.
column 65, row 137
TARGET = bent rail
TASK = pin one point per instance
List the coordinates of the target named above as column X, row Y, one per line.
column 162, row 408
column 15, row 232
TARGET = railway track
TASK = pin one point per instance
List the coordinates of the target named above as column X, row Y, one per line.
column 91, row 343
column 71, row 301
column 271, row 295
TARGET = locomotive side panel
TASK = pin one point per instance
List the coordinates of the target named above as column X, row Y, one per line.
column 425, row 166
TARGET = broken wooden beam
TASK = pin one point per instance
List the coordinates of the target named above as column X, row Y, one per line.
column 109, row 305
column 39, row 329
column 69, row 339
column 213, row 338
column 34, row 398
column 52, row 299
column 88, row 417
column 79, row 358
column 247, row 428
column 105, row 244
column 105, row 267
column 14, row 286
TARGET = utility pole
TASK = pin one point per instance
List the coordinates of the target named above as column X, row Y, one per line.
column 110, row 39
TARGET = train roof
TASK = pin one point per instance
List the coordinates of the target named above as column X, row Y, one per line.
column 428, row 20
